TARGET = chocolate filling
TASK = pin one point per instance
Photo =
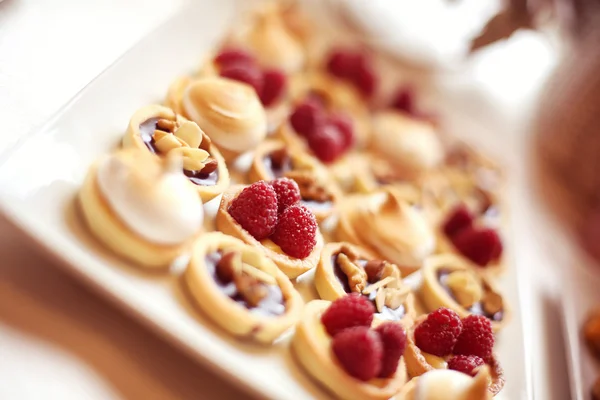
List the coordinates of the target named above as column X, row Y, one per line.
column 272, row 305
column 476, row 308
column 387, row 313
column 199, row 178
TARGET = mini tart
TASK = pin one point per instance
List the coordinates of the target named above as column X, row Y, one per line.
column 332, row 282
column 336, row 96
column 141, row 134
column 108, row 227
column 291, row 266
column 273, row 160
column 312, row 348
column 263, row 319
column 419, row 362
column 448, row 385
column 435, row 291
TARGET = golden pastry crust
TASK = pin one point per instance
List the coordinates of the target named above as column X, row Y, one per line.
column 231, row 316
column 134, row 139
column 307, row 171
column 291, row 266
column 434, row 295
column 114, row 234
column 330, row 289
column 417, row 364
column 312, row 348
column 175, row 93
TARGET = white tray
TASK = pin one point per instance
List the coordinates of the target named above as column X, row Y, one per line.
column 41, row 175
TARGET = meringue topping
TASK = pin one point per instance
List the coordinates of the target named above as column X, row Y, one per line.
column 151, row 196
column 447, row 384
column 230, row 112
column 397, row 231
column 406, row 141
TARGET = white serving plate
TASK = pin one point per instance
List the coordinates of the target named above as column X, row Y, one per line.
column 41, row 175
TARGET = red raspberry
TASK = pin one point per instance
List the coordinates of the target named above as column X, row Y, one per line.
column 234, row 56
column 347, row 312
column 360, row 351
column 438, row 333
column 307, row 116
column 274, row 86
column 480, row 245
column 288, row 193
column 344, row 124
column 476, row 338
column 247, row 73
column 296, row 231
column 465, row 364
column 404, row 100
column 458, row 219
column 327, row 142
column 255, row 209
column 343, row 63
column 365, row 78
column 393, row 337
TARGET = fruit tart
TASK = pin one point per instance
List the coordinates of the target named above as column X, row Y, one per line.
column 141, row 207
column 344, row 269
column 229, row 111
column 160, row 131
column 340, row 346
column 388, row 227
column 273, row 159
column 241, row 289
column 449, row 282
column 447, row 384
column 442, row 340
column 269, row 217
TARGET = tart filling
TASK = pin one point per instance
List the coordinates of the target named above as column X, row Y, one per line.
column 241, row 289
column 447, row 384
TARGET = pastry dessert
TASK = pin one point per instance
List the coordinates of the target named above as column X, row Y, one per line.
column 336, row 346
column 141, row 207
column 388, row 227
column 449, row 282
column 272, row 220
column 230, row 113
column 159, row 130
column 345, row 269
column 241, row 289
column 442, row 340
column 447, row 385
column 354, row 67
column 272, row 159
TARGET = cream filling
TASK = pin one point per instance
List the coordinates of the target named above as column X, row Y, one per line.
column 446, row 384
column 154, row 199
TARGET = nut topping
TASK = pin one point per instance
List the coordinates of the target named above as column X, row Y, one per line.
column 492, row 302
column 378, row 285
column 210, row 166
column 190, row 133
column 193, row 159
column 166, row 125
column 357, row 278
column 465, row 287
column 379, row 269
column 309, row 186
column 229, row 266
column 166, row 142
column 250, row 289
column 390, row 293
column 258, row 274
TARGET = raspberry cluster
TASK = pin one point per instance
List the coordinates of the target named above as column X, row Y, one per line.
column 363, row 352
column 271, row 210
column 354, row 67
column 239, row 65
column 469, row 341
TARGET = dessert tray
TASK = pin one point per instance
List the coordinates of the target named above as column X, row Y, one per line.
column 276, row 203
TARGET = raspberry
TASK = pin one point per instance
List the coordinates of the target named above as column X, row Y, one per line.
column 288, row 193
column 480, row 245
column 476, row 338
column 458, row 219
column 327, row 143
column 344, row 124
column 365, row 78
column 438, row 333
column 404, row 100
column 233, row 56
column 296, row 231
column 465, row 364
column 359, row 350
column 247, row 73
column 307, row 116
column 393, row 338
column 347, row 312
column 274, row 86
column 255, row 209
column 343, row 63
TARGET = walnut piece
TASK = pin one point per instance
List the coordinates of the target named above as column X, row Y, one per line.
column 465, row 287
column 357, row 277
column 591, row 332
column 378, row 269
column 492, row 302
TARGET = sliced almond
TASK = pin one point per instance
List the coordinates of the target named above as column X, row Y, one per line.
column 157, row 135
column 166, row 125
column 168, row 143
column 492, row 302
column 190, row 133
column 370, row 289
column 380, row 300
column 258, row 274
column 357, row 277
column 394, row 298
column 193, row 159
